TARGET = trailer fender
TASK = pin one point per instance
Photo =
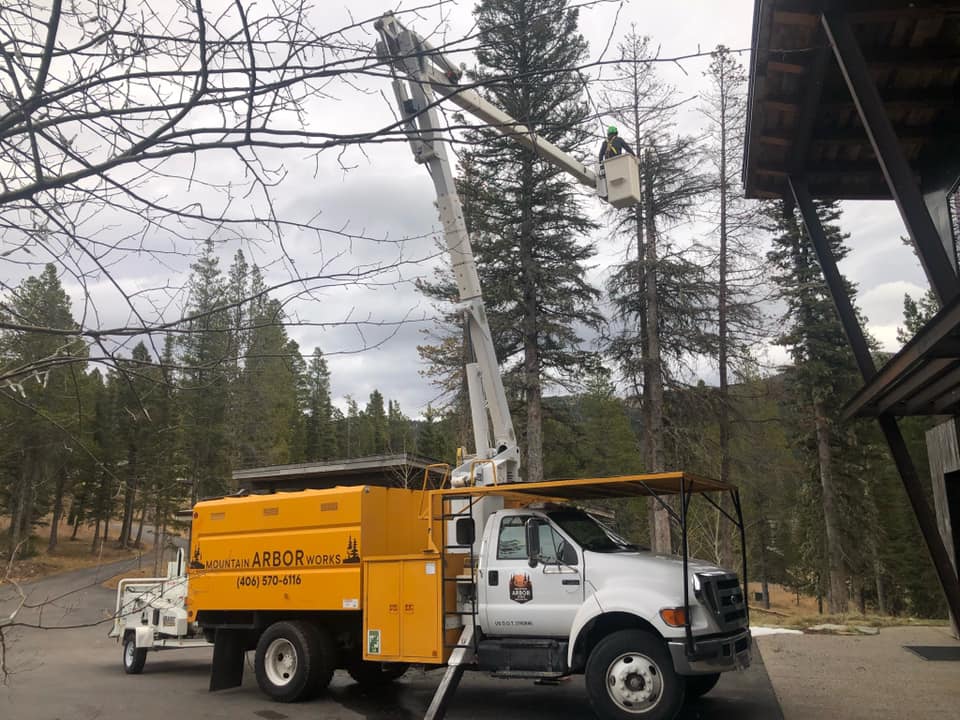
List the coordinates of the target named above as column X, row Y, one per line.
column 143, row 635
column 622, row 602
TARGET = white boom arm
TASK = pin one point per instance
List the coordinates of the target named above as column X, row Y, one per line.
column 428, row 75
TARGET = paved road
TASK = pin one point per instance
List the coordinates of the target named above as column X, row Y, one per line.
column 76, row 674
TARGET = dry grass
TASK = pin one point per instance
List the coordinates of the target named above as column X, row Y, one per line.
column 785, row 601
column 787, row 611
column 70, row 554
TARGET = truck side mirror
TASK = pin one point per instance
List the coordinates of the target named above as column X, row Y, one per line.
column 532, row 528
column 466, row 531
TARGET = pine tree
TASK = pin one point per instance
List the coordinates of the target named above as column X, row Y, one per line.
column 430, row 441
column 739, row 271
column 916, row 314
column 135, row 429
column 100, row 466
column 42, row 406
column 398, row 429
column 206, row 357
column 663, row 300
column 823, row 374
column 528, row 246
column 374, row 433
column 321, row 442
column 269, row 430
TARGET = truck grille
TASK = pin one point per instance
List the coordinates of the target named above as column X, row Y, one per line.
column 724, row 596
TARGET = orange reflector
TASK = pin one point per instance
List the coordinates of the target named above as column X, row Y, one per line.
column 675, row 617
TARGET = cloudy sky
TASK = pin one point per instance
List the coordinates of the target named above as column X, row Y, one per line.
column 381, row 198
column 399, row 194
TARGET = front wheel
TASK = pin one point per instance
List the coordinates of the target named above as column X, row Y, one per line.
column 133, row 657
column 630, row 676
column 700, row 685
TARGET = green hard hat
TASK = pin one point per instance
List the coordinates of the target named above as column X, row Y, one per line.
column 612, row 130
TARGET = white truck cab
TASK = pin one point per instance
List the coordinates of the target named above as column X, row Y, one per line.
column 560, row 593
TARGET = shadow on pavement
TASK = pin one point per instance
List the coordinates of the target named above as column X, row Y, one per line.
column 744, row 695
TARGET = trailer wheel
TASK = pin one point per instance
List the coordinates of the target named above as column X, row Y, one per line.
column 700, row 685
column 133, row 657
column 293, row 660
column 376, row 674
column 630, row 675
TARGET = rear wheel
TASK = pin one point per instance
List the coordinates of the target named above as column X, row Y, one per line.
column 133, row 657
column 630, row 676
column 374, row 674
column 294, row 660
column 700, row 685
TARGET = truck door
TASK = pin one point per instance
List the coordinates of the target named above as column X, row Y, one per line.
column 517, row 599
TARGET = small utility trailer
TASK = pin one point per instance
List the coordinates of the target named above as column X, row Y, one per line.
column 151, row 614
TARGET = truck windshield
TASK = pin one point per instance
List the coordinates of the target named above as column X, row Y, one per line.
column 589, row 533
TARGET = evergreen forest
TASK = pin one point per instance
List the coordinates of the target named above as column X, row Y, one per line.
column 605, row 377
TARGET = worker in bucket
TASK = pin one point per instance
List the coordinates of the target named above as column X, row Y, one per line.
column 614, row 145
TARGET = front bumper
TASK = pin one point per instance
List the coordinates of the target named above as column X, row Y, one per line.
column 712, row 655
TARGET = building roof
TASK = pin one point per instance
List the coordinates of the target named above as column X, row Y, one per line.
column 801, row 118
column 399, row 470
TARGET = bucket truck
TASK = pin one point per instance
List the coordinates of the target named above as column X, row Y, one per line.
column 485, row 573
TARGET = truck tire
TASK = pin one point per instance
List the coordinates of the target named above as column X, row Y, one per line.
column 376, row 674
column 630, row 675
column 294, row 660
column 133, row 657
column 700, row 685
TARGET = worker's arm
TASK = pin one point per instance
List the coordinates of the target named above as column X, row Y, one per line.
column 602, row 148
column 625, row 148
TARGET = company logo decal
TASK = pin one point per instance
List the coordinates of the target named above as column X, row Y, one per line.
column 197, row 562
column 521, row 589
column 279, row 559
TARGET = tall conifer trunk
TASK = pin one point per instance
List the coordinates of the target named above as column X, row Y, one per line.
column 838, row 576
column 725, row 540
column 653, row 380
column 57, row 508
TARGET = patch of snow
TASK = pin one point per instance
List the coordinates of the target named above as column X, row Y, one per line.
column 759, row 631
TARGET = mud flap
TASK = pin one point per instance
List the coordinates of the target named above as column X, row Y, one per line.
column 229, row 647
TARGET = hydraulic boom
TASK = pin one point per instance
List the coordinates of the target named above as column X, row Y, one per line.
column 423, row 77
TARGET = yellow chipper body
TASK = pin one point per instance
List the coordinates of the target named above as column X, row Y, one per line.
column 364, row 551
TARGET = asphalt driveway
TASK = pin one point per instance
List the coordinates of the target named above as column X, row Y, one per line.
column 76, row 673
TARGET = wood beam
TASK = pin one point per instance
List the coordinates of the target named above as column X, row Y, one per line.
column 804, row 19
column 936, row 57
column 811, row 103
column 774, row 137
column 896, row 169
column 786, row 67
column 783, row 105
column 924, row 400
column 893, row 397
column 925, row 99
column 878, row 11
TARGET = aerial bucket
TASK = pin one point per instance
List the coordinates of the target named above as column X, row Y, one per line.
column 622, row 178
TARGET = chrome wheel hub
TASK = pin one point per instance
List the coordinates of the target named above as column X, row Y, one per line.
column 634, row 683
column 280, row 662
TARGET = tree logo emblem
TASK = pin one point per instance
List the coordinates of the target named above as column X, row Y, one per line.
column 521, row 588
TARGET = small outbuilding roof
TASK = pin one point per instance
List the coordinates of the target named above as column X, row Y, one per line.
column 399, row 470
